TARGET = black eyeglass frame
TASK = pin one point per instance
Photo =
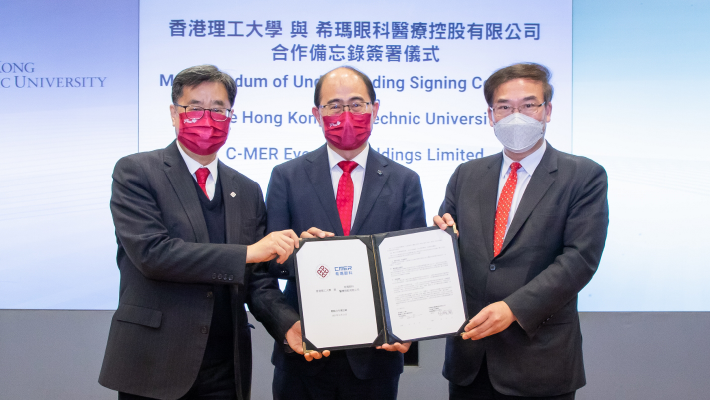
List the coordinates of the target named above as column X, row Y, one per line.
column 212, row 111
column 366, row 103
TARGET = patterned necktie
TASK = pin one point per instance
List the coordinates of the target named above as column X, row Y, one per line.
column 201, row 175
column 346, row 193
column 503, row 210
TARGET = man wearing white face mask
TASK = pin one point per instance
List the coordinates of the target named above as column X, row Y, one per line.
column 532, row 225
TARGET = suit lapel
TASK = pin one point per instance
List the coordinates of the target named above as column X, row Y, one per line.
column 539, row 183
column 487, row 201
column 375, row 178
column 232, row 214
column 180, row 178
column 318, row 171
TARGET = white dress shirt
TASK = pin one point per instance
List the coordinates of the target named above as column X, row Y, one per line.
column 358, row 175
column 193, row 166
column 528, row 166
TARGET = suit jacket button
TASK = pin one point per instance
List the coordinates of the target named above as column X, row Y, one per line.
column 204, row 330
column 219, row 276
column 284, row 272
column 214, row 276
column 209, row 295
column 493, row 267
column 231, row 277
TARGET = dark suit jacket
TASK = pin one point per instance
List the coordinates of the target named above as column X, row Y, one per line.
column 168, row 269
column 552, row 249
column 300, row 196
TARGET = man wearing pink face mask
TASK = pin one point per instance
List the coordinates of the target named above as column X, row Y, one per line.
column 342, row 188
column 191, row 252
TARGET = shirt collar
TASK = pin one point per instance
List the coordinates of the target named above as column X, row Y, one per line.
column 193, row 165
column 528, row 163
column 334, row 158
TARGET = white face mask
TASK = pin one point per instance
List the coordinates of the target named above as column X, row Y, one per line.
column 518, row 133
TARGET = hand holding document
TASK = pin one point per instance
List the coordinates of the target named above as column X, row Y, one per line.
column 294, row 339
column 277, row 245
column 316, row 233
column 361, row 291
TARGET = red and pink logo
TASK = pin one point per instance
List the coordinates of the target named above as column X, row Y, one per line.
column 322, row 271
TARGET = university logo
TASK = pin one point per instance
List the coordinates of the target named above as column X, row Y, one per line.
column 322, row 271
column 190, row 120
column 335, row 124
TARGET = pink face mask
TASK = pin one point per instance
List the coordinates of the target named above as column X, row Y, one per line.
column 202, row 136
column 347, row 131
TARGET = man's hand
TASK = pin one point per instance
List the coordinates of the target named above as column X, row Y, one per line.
column 445, row 221
column 293, row 337
column 491, row 320
column 400, row 347
column 275, row 244
column 315, row 232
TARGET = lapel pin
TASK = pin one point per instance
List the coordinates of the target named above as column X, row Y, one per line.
column 379, row 172
column 233, row 194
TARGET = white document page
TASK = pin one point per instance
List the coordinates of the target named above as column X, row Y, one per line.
column 336, row 293
column 422, row 284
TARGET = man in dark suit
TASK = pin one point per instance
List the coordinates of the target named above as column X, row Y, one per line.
column 342, row 188
column 190, row 231
column 532, row 223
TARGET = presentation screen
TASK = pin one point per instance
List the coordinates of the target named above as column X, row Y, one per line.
column 427, row 67
column 88, row 83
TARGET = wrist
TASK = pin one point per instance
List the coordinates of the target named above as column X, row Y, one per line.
column 251, row 257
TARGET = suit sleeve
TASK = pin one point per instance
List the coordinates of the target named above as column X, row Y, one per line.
column 278, row 219
column 583, row 242
column 266, row 301
column 146, row 240
column 413, row 213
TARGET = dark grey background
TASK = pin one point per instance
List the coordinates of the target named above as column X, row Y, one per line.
column 57, row 354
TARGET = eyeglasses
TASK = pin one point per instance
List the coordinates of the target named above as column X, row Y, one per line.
column 217, row 114
column 356, row 107
column 503, row 110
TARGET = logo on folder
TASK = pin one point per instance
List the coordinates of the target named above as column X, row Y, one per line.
column 322, row 271
column 345, row 270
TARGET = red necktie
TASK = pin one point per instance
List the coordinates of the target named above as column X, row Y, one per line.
column 346, row 192
column 503, row 210
column 201, row 175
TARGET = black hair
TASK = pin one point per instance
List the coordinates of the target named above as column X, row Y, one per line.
column 535, row 72
column 193, row 76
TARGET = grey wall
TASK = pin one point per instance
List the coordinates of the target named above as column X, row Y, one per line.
column 57, row 355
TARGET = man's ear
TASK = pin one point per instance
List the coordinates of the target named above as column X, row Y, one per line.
column 316, row 113
column 174, row 116
column 548, row 106
column 490, row 117
column 375, row 110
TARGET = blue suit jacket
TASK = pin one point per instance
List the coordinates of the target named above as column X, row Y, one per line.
column 300, row 196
